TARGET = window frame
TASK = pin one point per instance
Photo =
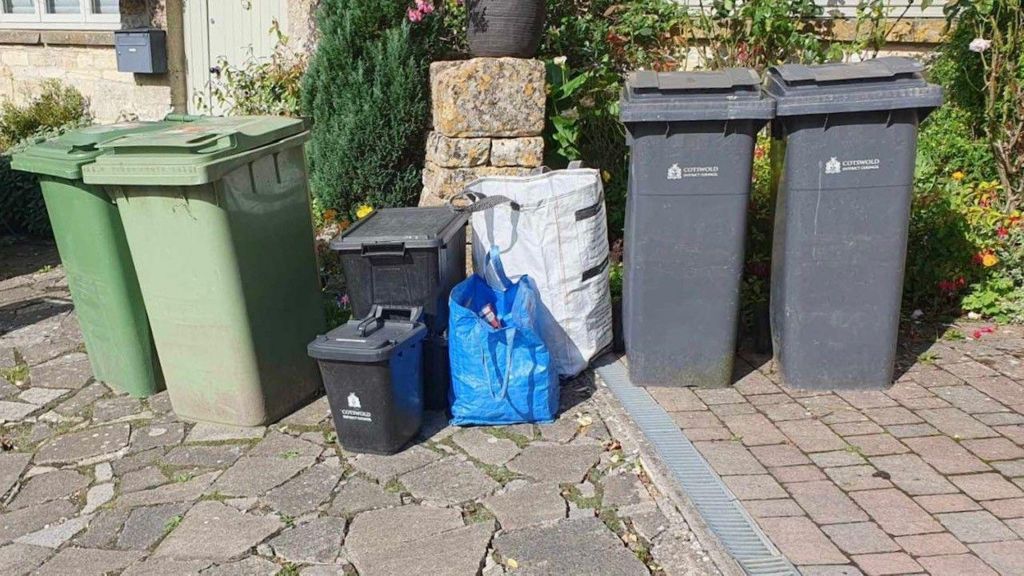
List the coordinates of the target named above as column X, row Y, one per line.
column 86, row 19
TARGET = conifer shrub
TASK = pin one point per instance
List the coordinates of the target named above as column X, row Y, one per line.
column 366, row 91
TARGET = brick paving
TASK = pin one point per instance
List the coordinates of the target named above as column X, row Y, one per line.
column 92, row 482
column 926, row 477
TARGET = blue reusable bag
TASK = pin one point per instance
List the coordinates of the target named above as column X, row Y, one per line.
column 504, row 375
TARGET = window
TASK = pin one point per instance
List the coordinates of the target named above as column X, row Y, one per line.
column 75, row 14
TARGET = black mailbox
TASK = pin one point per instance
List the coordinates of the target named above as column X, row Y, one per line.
column 141, row 50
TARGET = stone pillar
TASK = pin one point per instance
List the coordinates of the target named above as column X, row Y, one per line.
column 488, row 119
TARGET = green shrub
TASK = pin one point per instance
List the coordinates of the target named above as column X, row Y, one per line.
column 22, row 210
column 366, row 90
column 947, row 144
column 984, row 62
column 762, row 33
column 56, row 106
column 939, row 250
column 55, row 109
column 966, row 245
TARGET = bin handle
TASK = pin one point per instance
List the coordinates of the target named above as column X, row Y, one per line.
column 415, row 313
column 375, row 321
column 383, row 249
column 364, row 327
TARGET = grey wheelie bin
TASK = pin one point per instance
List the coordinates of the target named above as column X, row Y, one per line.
column 692, row 138
column 850, row 134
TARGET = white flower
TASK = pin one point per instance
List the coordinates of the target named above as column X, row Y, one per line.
column 560, row 60
column 916, row 314
column 979, row 45
column 973, row 316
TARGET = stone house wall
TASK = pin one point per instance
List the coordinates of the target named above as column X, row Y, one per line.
column 86, row 60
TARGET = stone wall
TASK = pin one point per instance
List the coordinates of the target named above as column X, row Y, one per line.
column 93, row 71
column 86, row 60
column 488, row 116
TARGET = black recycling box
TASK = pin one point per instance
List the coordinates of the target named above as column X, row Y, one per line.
column 373, row 372
column 405, row 257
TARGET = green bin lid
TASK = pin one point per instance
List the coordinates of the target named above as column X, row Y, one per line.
column 192, row 154
column 65, row 155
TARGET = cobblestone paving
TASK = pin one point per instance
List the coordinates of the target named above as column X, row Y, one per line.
column 92, row 482
column 925, row 477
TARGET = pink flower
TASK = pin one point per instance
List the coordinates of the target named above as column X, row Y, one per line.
column 414, row 15
column 424, row 6
column 344, row 301
column 979, row 45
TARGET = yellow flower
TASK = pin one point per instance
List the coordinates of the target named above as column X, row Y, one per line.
column 958, row 175
column 363, row 211
column 606, row 176
column 989, row 260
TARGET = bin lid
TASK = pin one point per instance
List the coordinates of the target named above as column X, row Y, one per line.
column 193, row 154
column 65, row 155
column 889, row 83
column 350, row 343
column 729, row 94
column 423, row 227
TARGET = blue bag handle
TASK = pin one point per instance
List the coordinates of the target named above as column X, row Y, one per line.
column 494, row 262
column 510, row 338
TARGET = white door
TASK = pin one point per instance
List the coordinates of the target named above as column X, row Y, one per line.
column 226, row 30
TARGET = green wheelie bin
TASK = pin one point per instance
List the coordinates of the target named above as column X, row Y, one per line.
column 217, row 215
column 94, row 251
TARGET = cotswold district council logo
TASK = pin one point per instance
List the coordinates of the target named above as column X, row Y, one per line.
column 675, row 172
column 353, row 401
column 833, row 166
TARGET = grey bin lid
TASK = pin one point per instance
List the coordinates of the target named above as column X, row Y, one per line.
column 729, row 94
column 890, row 83
column 346, row 344
column 426, row 227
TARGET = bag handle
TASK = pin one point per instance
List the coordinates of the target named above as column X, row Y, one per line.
column 471, row 202
column 510, row 338
column 493, row 262
column 478, row 203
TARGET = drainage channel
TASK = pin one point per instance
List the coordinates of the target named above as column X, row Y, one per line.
column 721, row 511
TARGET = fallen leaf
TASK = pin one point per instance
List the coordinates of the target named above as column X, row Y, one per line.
column 511, row 563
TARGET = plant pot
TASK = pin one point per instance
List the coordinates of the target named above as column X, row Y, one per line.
column 499, row 28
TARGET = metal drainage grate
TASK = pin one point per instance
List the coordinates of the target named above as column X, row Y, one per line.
column 720, row 510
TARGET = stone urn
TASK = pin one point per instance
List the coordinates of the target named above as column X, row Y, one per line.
column 499, row 28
